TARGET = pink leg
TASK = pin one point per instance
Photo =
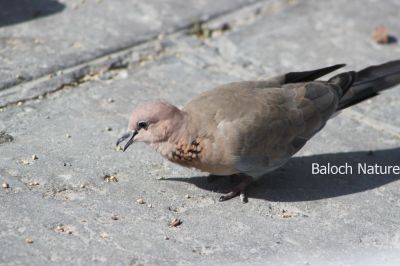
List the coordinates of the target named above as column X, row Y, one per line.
column 238, row 190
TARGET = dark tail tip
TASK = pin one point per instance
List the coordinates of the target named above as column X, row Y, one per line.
column 368, row 82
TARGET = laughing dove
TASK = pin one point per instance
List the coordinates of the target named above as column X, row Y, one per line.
column 253, row 127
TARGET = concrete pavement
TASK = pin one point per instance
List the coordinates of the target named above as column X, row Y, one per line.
column 99, row 59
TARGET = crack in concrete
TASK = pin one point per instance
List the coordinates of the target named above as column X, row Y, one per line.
column 147, row 52
column 85, row 73
column 101, row 64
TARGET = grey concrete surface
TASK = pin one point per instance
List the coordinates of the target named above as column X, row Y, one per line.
column 43, row 40
column 59, row 209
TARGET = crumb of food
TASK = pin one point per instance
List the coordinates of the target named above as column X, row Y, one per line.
column 114, row 217
column 382, row 36
column 29, row 240
column 34, row 157
column 25, row 162
column 173, row 209
column 110, row 178
column 104, row 235
column 140, row 201
column 175, row 222
column 201, row 31
column 34, row 183
column 5, row 185
column 286, row 214
column 63, row 229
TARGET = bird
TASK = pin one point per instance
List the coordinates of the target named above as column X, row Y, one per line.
column 251, row 128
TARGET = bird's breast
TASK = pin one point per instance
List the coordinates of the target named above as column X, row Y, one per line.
column 198, row 153
column 187, row 151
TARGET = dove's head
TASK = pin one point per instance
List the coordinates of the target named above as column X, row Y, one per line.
column 152, row 122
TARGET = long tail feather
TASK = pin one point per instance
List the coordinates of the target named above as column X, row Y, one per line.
column 368, row 83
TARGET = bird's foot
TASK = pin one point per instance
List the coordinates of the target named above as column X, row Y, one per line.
column 238, row 190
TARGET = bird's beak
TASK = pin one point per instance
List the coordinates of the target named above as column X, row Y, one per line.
column 131, row 135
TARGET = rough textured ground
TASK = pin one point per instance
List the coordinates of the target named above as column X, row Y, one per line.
column 70, row 73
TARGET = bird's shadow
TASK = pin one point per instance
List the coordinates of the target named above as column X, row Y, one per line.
column 16, row 11
column 295, row 181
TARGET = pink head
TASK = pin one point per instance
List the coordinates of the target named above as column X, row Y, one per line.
column 152, row 122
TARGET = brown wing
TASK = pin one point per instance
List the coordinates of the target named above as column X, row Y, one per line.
column 256, row 126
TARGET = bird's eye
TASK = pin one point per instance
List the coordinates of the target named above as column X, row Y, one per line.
column 142, row 124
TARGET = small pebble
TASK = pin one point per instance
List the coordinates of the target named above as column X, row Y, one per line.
column 140, row 201
column 5, row 185
column 114, row 217
column 119, row 148
column 108, row 129
column 34, row 157
column 110, row 100
column 150, row 206
column 67, row 136
column 82, row 185
column 34, row 183
column 166, row 237
column 19, row 103
column 29, row 240
column 187, row 196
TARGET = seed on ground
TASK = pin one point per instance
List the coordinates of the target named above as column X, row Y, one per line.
column 175, row 222
column 140, row 201
column 110, row 178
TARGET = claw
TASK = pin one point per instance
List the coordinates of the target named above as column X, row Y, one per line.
column 243, row 197
column 238, row 190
